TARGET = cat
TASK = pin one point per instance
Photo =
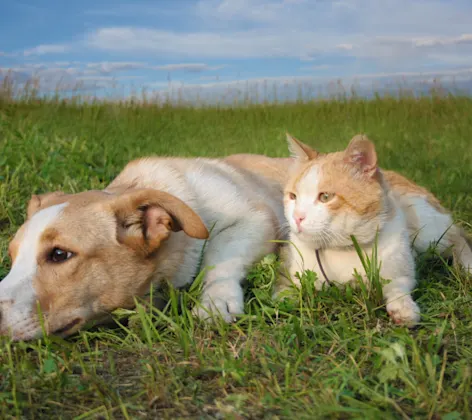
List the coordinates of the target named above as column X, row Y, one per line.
column 330, row 197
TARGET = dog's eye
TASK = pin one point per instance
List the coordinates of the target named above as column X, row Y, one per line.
column 58, row 255
column 292, row 196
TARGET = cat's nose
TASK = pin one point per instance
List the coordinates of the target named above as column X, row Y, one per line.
column 299, row 218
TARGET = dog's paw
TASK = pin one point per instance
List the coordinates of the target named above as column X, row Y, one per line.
column 228, row 307
column 404, row 311
column 223, row 299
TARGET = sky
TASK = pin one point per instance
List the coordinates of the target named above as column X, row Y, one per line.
column 216, row 44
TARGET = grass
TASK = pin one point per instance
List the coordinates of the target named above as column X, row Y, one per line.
column 328, row 354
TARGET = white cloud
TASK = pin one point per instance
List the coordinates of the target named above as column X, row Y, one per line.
column 345, row 47
column 188, row 67
column 46, row 49
column 249, row 82
column 41, row 71
column 111, row 67
column 106, row 78
column 157, row 85
column 62, row 63
column 245, row 44
column 446, row 73
column 319, row 67
column 108, row 67
column 137, row 9
column 8, row 54
column 212, row 78
column 443, row 41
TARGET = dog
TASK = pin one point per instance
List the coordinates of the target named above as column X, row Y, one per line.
column 80, row 256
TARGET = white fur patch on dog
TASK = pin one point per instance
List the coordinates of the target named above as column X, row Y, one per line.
column 17, row 294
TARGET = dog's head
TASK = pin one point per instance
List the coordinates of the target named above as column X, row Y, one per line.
column 80, row 256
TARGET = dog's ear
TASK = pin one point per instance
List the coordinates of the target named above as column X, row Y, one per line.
column 37, row 202
column 146, row 218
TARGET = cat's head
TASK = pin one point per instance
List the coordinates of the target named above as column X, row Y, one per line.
column 330, row 197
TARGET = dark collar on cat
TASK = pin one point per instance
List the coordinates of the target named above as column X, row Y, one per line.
column 317, row 252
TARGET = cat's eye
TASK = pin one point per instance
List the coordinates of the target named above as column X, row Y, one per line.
column 324, row 197
column 58, row 255
column 292, row 196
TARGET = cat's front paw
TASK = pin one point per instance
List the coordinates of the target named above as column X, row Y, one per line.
column 404, row 311
column 227, row 305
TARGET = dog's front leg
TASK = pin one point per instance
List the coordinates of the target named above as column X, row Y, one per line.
column 230, row 253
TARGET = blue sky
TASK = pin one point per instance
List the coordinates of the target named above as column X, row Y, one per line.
column 213, row 44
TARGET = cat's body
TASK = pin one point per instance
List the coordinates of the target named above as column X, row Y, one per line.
column 331, row 197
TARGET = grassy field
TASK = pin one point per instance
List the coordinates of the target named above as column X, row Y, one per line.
column 332, row 354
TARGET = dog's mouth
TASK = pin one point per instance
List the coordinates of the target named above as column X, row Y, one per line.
column 63, row 330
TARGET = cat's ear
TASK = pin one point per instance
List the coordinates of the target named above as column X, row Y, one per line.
column 361, row 152
column 300, row 150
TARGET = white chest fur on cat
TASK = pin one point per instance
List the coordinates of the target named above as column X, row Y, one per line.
column 339, row 265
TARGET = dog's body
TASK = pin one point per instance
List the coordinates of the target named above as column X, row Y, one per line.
column 239, row 206
column 83, row 255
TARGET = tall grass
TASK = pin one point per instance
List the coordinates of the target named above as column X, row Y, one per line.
column 38, row 88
